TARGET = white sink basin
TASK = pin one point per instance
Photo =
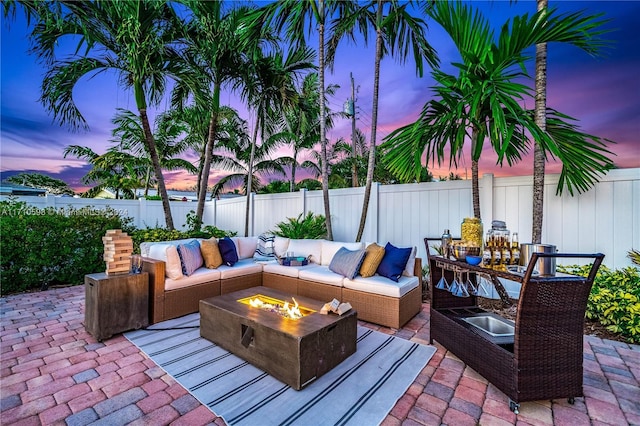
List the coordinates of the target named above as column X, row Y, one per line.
column 491, row 325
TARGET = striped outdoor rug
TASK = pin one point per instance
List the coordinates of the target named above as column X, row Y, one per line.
column 360, row 391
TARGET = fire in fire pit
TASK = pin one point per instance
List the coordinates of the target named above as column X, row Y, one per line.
column 280, row 307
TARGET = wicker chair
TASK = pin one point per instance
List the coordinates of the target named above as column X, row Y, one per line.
column 543, row 358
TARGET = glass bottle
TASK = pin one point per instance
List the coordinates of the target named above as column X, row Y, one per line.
column 515, row 249
column 487, row 253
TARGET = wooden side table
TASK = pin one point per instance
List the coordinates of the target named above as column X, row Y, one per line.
column 115, row 303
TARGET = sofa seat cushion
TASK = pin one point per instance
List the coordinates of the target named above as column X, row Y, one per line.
column 380, row 285
column 287, row 271
column 241, row 268
column 321, row 274
column 201, row 275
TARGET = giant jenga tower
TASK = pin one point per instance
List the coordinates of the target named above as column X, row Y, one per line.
column 118, row 247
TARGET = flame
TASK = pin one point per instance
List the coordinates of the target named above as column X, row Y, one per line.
column 285, row 309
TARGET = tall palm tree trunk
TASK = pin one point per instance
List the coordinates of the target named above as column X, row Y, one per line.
column 155, row 161
column 323, row 131
column 208, row 154
column 374, row 121
column 475, row 179
column 292, row 185
column 250, row 175
column 541, row 121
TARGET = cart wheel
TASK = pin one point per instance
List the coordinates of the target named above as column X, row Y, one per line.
column 571, row 400
column 513, row 406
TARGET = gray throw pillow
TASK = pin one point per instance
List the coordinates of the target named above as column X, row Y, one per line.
column 347, row 262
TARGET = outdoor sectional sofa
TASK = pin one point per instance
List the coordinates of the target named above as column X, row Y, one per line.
column 376, row 298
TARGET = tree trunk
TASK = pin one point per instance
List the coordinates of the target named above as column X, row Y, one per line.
column 475, row 189
column 155, row 160
column 292, row 186
column 541, row 121
column 374, row 122
column 323, row 136
column 208, row 154
column 250, row 173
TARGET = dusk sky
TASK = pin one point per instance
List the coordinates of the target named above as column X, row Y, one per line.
column 603, row 93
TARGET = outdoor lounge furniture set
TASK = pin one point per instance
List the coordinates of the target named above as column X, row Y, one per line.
column 382, row 283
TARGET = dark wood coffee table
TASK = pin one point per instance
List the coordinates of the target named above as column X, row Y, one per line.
column 295, row 352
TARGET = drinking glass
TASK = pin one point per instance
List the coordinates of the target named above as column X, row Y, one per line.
column 442, row 284
column 471, row 288
column 136, row 264
column 457, row 286
column 484, row 284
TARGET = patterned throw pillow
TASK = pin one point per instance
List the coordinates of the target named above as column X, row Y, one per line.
column 347, row 262
column 228, row 251
column 210, row 253
column 372, row 259
column 190, row 257
column 394, row 261
column 265, row 249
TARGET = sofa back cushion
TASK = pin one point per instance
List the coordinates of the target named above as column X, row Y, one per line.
column 168, row 253
column 228, row 251
column 306, row 248
column 330, row 248
column 347, row 262
column 245, row 246
column 190, row 257
column 210, row 253
column 280, row 245
column 372, row 259
column 394, row 262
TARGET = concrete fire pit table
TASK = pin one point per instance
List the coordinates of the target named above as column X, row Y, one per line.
column 294, row 351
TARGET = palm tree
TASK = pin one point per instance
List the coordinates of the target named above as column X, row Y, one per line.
column 234, row 153
column 269, row 88
column 298, row 16
column 212, row 58
column 119, row 171
column 482, row 101
column 397, row 32
column 168, row 134
column 134, row 38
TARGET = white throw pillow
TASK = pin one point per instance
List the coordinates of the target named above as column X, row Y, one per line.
column 280, row 245
column 411, row 263
column 245, row 246
column 168, row 253
column 330, row 248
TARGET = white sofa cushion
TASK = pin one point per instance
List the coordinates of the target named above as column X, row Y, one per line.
column 245, row 246
column 330, row 248
column 201, row 275
column 168, row 253
column 287, row 271
column 321, row 274
column 241, row 268
column 146, row 245
column 305, row 248
column 280, row 245
column 381, row 285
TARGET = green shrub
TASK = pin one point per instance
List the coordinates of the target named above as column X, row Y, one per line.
column 42, row 247
column 162, row 234
column 614, row 300
column 311, row 227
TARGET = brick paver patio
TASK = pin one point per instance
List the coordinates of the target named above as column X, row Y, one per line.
column 54, row 373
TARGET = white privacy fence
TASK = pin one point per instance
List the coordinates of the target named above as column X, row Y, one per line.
column 606, row 219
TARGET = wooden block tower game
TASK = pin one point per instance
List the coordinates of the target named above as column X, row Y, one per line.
column 118, row 247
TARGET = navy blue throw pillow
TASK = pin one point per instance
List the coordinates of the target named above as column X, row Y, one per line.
column 394, row 261
column 228, row 251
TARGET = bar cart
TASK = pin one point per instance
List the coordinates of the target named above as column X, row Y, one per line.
column 539, row 356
